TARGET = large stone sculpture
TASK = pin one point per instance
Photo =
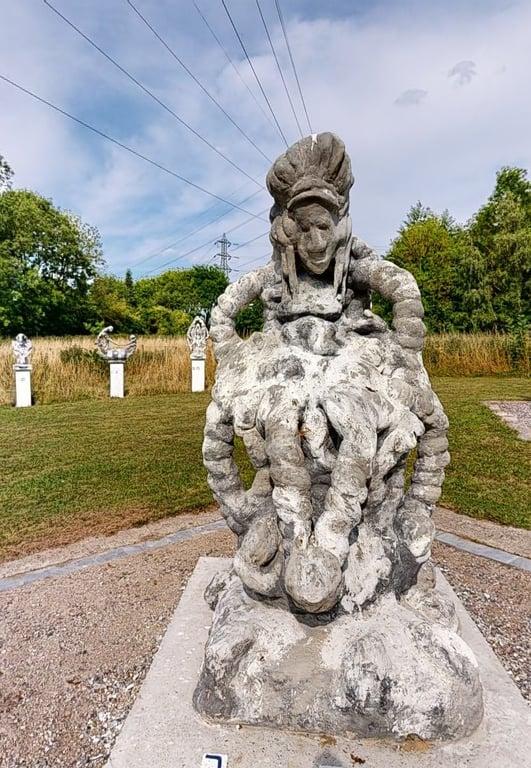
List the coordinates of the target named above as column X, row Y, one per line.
column 330, row 619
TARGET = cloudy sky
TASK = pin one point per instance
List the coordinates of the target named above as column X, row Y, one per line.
column 431, row 99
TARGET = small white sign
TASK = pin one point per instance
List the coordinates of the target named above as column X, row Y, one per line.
column 213, row 760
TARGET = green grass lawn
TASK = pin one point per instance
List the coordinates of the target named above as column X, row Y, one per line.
column 489, row 476
column 72, row 469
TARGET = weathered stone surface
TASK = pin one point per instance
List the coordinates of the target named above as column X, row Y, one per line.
column 384, row 671
column 197, row 336
column 329, row 402
column 109, row 350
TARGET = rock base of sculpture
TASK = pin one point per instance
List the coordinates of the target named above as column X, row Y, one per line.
column 163, row 729
column 385, row 672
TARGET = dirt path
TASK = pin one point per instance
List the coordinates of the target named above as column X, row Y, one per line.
column 515, row 413
column 515, row 540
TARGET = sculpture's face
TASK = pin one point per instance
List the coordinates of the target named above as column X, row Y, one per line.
column 317, row 236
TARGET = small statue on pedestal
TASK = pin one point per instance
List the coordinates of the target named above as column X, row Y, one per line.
column 22, row 349
column 197, row 337
column 116, row 356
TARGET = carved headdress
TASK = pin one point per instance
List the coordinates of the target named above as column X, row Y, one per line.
column 316, row 168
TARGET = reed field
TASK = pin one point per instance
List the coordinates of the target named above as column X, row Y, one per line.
column 68, row 368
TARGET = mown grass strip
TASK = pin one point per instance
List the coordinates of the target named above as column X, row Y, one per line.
column 73, row 469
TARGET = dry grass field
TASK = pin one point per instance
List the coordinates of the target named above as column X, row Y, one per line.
column 477, row 354
column 67, row 369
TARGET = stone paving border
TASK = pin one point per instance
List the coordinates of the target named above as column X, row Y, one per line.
column 507, row 558
column 101, row 558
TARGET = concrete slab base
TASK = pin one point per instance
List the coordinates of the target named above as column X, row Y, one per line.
column 163, row 730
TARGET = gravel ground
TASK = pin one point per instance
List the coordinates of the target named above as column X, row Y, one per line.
column 498, row 597
column 74, row 650
column 515, row 413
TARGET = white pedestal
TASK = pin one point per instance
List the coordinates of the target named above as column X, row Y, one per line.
column 116, row 377
column 198, row 375
column 22, row 385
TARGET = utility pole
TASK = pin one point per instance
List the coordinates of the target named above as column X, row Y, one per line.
column 224, row 255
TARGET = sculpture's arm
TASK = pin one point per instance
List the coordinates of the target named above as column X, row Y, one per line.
column 414, row 523
column 401, row 289
column 237, row 296
column 249, row 514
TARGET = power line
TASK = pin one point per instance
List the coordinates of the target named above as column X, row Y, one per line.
column 127, row 148
column 284, row 30
column 200, row 247
column 279, row 68
column 203, row 245
column 254, row 71
column 253, row 261
column 248, row 242
column 193, row 232
column 233, row 65
column 148, row 92
column 197, row 81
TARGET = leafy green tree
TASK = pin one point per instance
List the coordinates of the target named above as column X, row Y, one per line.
column 130, row 287
column 427, row 245
column 251, row 318
column 209, row 283
column 48, row 259
column 501, row 231
column 108, row 305
column 156, row 319
column 474, row 277
column 191, row 291
column 175, row 289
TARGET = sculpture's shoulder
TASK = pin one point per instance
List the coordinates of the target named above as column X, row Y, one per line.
column 360, row 250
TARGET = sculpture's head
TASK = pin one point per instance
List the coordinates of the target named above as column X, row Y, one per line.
column 310, row 223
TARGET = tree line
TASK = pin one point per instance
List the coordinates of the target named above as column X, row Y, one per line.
column 476, row 276
column 473, row 276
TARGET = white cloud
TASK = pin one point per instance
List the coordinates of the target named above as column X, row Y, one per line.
column 463, row 72
column 351, row 69
column 411, row 97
